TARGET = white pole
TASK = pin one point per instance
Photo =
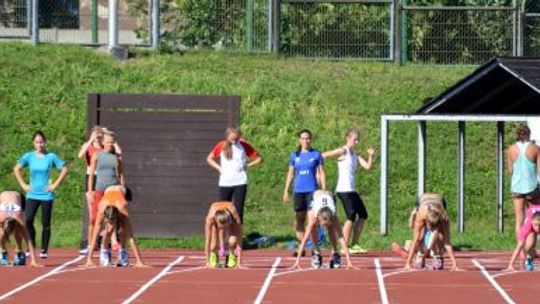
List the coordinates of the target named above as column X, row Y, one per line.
column 113, row 24
column 421, row 158
column 35, row 22
column 500, row 175
column 461, row 175
column 155, row 24
column 384, row 175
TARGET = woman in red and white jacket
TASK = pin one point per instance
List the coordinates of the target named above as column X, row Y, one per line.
column 235, row 156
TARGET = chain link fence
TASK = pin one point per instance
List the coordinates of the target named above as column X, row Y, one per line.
column 236, row 25
column 531, row 29
column 71, row 21
column 332, row 29
column 14, row 18
column 457, row 35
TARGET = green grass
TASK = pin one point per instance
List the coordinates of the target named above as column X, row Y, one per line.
column 45, row 87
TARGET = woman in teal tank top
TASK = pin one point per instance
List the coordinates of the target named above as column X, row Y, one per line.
column 522, row 164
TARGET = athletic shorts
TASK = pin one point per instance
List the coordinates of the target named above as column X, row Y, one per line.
column 302, row 201
column 235, row 194
column 531, row 196
column 353, row 205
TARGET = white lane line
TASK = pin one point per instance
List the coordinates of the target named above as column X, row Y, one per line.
column 294, row 271
column 40, row 278
column 153, row 280
column 494, row 283
column 187, row 270
column 380, row 279
column 506, row 273
column 266, row 284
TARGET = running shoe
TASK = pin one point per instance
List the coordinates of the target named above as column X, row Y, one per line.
column 357, row 249
column 335, row 262
column 529, row 263
column 316, row 260
column 4, row 260
column 105, row 257
column 20, row 259
column 43, row 254
column 123, row 258
column 232, row 260
column 437, row 262
column 213, row 260
column 84, row 251
column 420, row 261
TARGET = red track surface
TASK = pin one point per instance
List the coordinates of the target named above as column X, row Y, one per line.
column 481, row 281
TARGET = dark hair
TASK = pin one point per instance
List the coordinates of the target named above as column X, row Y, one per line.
column 129, row 194
column 300, row 134
column 39, row 133
column 523, row 132
column 111, row 214
column 9, row 225
column 535, row 216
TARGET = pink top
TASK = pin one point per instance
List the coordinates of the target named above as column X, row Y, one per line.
column 525, row 230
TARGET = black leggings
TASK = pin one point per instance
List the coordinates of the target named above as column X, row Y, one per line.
column 30, row 211
column 237, row 195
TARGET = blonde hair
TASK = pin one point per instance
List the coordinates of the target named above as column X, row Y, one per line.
column 352, row 132
column 227, row 149
column 326, row 214
column 436, row 214
column 223, row 217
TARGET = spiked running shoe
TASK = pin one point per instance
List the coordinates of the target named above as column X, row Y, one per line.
column 213, row 260
column 316, row 260
column 232, row 260
column 437, row 263
column 420, row 261
column 4, row 260
column 357, row 249
column 123, row 258
column 20, row 259
column 105, row 257
column 335, row 262
column 529, row 263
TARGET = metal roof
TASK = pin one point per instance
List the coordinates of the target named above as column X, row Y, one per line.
column 502, row 86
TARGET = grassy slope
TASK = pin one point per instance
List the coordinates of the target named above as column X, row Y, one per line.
column 45, row 88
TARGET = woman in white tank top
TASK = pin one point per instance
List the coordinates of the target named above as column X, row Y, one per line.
column 348, row 161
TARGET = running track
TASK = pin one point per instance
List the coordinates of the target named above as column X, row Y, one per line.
column 179, row 277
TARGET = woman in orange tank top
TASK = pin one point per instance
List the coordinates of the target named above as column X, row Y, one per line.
column 113, row 212
column 223, row 223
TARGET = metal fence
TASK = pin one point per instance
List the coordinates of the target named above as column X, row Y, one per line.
column 337, row 29
column 14, row 18
column 457, row 35
column 71, row 21
column 398, row 30
column 531, row 29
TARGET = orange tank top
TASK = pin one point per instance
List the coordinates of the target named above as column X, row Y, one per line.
column 114, row 196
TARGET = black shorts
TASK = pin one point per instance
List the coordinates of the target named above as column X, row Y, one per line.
column 353, row 205
column 302, row 200
column 235, row 194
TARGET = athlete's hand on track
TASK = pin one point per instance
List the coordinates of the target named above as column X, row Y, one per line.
column 455, row 268
column 407, row 266
column 89, row 263
column 296, row 265
column 141, row 265
column 34, row 264
column 509, row 268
